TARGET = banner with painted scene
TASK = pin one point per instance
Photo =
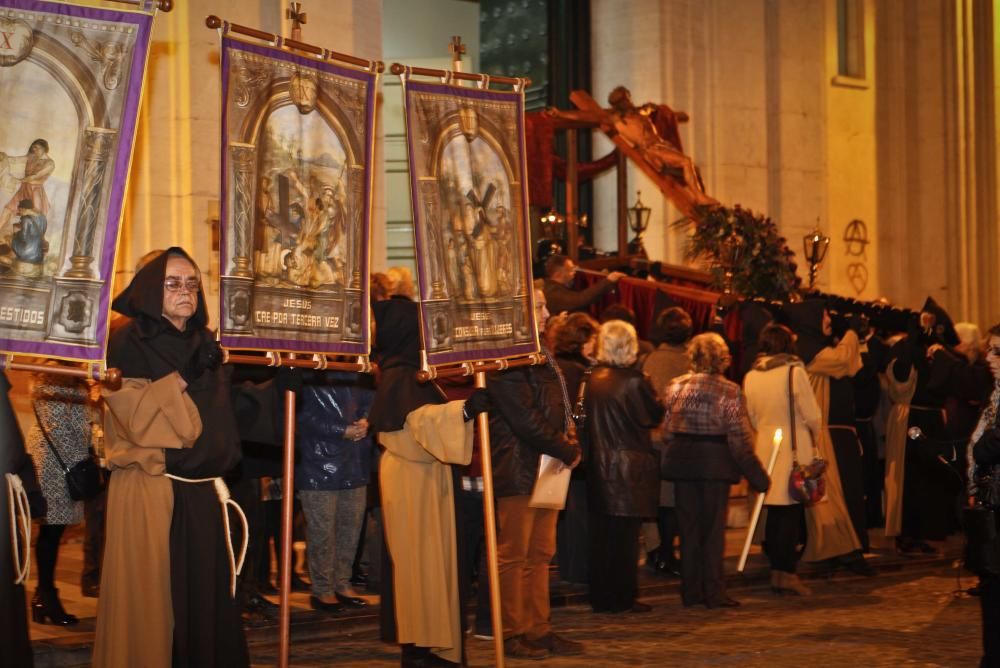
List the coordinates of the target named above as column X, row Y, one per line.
column 466, row 159
column 71, row 79
column 298, row 137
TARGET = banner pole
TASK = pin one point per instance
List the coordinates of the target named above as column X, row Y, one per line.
column 490, row 526
column 759, row 504
column 287, row 519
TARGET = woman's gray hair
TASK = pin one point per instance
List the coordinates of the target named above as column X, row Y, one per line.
column 617, row 343
column 709, row 353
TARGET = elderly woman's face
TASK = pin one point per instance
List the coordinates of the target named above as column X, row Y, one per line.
column 180, row 291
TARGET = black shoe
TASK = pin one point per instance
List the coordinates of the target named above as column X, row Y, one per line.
column 926, row 548
column 556, row 644
column 46, row 605
column 90, row 589
column 724, row 602
column 905, row 545
column 316, row 604
column 860, row 567
column 351, row 601
column 638, row 606
column 517, row 648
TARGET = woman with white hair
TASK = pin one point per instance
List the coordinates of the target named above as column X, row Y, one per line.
column 623, row 474
column 709, row 446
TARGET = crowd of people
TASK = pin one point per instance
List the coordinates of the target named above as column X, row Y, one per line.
column 388, row 473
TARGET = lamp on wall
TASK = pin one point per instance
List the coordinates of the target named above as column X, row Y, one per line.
column 553, row 224
column 815, row 245
column 638, row 220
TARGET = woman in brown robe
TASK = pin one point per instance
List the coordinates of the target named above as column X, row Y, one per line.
column 171, row 433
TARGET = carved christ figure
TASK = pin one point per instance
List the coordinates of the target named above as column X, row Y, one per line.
column 635, row 125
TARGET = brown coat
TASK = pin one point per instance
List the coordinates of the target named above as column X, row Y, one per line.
column 134, row 614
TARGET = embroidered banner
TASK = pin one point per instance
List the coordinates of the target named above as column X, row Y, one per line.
column 298, row 136
column 71, row 79
column 470, row 214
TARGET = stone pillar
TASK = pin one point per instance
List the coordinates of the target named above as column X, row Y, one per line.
column 243, row 158
column 97, row 145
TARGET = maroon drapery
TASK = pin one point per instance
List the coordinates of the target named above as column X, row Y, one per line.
column 647, row 298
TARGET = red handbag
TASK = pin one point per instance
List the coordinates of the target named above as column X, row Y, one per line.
column 806, row 484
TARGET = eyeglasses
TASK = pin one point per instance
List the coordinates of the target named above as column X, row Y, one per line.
column 180, row 284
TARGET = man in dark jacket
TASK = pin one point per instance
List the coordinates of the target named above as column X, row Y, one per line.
column 558, row 288
column 531, row 416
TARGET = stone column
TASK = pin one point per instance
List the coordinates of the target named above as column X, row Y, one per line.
column 242, row 158
column 97, row 145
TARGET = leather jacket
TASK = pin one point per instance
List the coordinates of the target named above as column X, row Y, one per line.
column 623, row 471
column 527, row 419
column 329, row 403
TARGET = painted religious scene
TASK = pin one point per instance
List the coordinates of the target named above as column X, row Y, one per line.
column 469, row 210
column 297, row 155
column 64, row 161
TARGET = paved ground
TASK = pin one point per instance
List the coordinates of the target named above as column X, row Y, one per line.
column 895, row 620
column 908, row 615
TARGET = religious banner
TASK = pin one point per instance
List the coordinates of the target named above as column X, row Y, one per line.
column 470, row 213
column 298, row 136
column 71, row 79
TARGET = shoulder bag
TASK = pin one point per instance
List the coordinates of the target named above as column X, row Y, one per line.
column 806, row 484
column 84, row 479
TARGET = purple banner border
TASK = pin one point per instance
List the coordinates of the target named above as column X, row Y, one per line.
column 115, row 207
column 285, row 345
column 484, row 353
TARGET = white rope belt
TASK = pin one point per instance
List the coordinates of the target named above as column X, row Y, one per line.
column 20, row 523
column 226, row 502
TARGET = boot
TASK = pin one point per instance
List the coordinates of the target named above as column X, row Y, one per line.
column 776, row 581
column 790, row 582
column 46, row 605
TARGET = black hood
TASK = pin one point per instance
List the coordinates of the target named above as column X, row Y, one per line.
column 806, row 320
column 397, row 352
column 944, row 329
column 142, row 300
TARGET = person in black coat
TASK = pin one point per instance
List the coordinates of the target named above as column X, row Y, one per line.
column 623, row 469
column 986, row 456
column 573, row 344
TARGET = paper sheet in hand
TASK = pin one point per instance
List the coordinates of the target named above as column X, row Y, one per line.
column 551, row 485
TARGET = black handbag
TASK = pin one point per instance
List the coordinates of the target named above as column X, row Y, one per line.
column 84, row 479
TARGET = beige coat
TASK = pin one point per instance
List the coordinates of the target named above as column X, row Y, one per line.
column 767, row 405
column 419, row 515
column 134, row 613
column 830, row 532
column 900, row 394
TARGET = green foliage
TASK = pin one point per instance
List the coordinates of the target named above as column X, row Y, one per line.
column 764, row 265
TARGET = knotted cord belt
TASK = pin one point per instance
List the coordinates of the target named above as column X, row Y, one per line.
column 17, row 501
column 225, row 500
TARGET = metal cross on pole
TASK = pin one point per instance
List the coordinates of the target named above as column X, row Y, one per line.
column 298, row 18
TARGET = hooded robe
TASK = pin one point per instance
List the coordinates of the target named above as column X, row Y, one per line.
column 929, row 484
column 14, row 640
column 421, row 435
column 831, row 532
column 165, row 579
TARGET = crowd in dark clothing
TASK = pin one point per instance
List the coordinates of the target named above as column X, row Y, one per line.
column 655, row 433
